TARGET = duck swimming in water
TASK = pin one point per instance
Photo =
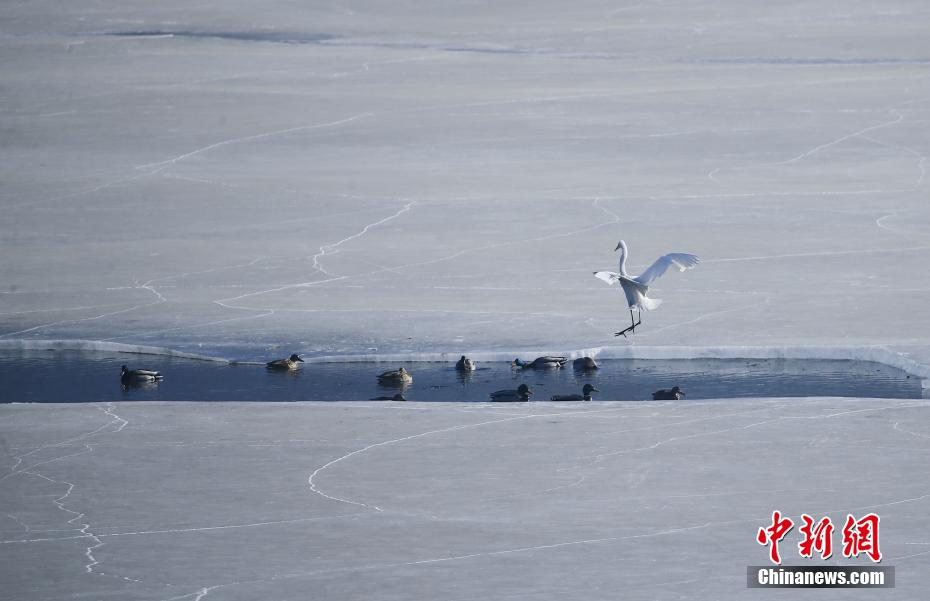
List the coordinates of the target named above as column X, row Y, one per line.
column 520, row 395
column 138, row 376
column 584, row 396
column 547, row 362
column 675, row 394
column 584, row 363
column 285, row 364
column 395, row 376
column 465, row 364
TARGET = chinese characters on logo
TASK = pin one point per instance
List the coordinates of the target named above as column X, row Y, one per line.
column 859, row 536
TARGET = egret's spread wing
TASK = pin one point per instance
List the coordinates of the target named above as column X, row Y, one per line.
column 608, row 276
column 682, row 261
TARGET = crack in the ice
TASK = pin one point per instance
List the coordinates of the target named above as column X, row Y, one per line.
column 151, row 288
column 328, row 248
column 115, row 424
column 857, row 133
column 95, row 317
column 63, row 309
column 224, row 302
column 185, row 530
column 897, row 426
column 826, row 253
column 139, row 335
column 921, row 160
column 22, row 524
column 67, row 442
column 900, row 557
column 684, row 422
column 434, row 560
column 600, row 456
column 158, row 166
column 650, row 333
column 202, row 592
column 314, row 488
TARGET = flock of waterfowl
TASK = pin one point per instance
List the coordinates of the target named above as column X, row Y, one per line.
column 633, row 288
column 523, row 392
column 401, row 378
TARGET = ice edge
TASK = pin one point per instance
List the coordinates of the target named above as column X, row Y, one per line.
column 876, row 354
column 97, row 346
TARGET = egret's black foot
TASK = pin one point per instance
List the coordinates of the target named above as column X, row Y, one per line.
column 623, row 333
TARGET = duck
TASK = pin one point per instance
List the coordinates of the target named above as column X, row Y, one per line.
column 396, row 376
column 547, row 362
column 675, row 394
column 465, row 364
column 520, row 395
column 138, row 376
column 285, row 364
column 584, row 363
column 397, row 397
column 584, row 396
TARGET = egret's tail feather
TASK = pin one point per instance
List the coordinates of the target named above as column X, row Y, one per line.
column 650, row 304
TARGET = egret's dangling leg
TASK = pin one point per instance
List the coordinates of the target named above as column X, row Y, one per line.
column 632, row 327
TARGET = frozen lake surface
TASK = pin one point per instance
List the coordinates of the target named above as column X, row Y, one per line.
column 86, row 377
column 402, row 181
column 375, row 178
column 384, row 501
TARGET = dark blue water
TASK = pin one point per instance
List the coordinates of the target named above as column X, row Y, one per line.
column 75, row 377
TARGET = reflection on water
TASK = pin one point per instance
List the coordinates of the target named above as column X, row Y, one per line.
column 33, row 376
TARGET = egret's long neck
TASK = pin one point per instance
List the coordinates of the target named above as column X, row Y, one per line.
column 623, row 262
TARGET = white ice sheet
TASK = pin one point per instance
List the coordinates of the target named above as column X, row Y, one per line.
column 383, row 179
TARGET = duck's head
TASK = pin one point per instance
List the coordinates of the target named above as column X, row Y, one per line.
column 401, row 371
column 588, row 389
column 677, row 390
column 295, row 357
column 516, row 363
column 524, row 390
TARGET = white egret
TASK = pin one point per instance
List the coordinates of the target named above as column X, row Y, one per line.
column 635, row 288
